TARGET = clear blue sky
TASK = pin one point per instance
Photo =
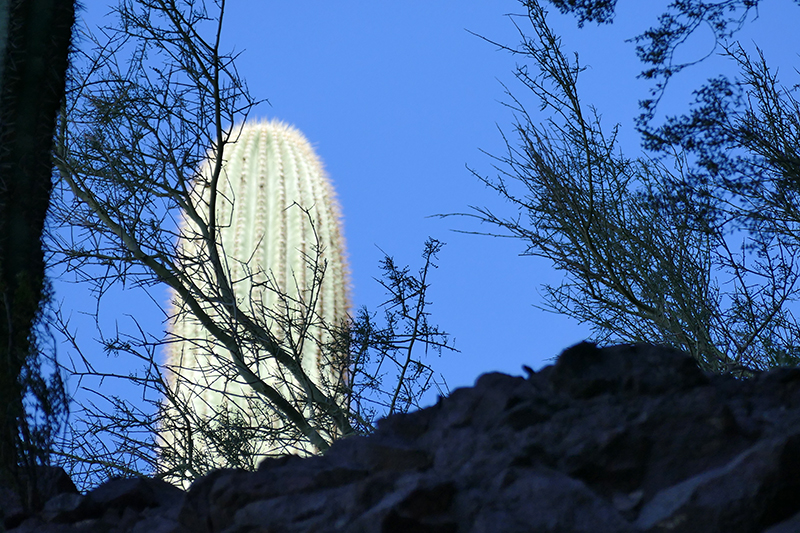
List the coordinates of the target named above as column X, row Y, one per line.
column 398, row 98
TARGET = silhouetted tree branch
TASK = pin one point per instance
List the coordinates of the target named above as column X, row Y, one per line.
column 153, row 99
column 647, row 249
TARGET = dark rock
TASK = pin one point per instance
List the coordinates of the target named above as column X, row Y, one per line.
column 630, row 438
column 585, row 370
column 131, row 493
column 760, row 486
column 542, row 500
column 62, row 508
column 789, row 526
column 50, row 482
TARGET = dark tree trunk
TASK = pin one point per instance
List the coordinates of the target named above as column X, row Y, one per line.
column 34, row 45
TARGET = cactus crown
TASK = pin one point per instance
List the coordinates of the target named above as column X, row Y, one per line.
column 278, row 223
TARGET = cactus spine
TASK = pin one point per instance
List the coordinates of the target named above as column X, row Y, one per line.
column 275, row 210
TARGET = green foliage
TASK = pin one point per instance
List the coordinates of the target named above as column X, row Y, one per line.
column 600, row 11
column 649, row 246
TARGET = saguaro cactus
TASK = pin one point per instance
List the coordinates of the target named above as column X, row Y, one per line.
column 278, row 225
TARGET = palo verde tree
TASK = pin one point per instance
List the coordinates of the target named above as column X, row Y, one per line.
column 150, row 157
column 694, row 246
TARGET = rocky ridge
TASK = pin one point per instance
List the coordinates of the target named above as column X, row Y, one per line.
column 631, row 438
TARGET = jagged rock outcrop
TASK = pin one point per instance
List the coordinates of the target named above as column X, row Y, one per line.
column 619, row 439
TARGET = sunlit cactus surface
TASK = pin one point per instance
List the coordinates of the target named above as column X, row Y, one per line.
column 279, row 227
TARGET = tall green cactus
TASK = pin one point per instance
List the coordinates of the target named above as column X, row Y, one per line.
column 276, row 214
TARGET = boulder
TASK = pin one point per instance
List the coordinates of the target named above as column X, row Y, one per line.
column 631, row 438
column 50, row 482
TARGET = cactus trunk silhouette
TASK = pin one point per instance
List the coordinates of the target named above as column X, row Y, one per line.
column 35, row 40
column 279, row 238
